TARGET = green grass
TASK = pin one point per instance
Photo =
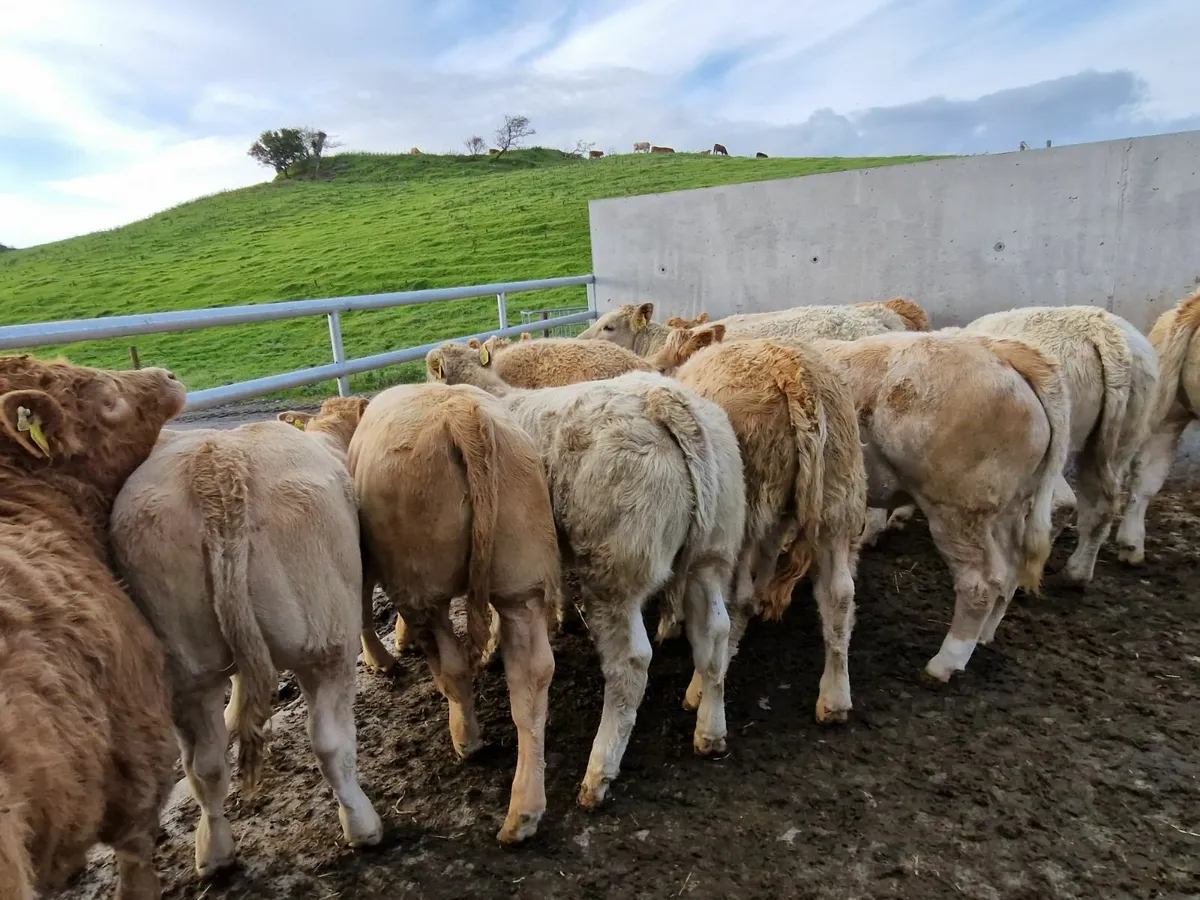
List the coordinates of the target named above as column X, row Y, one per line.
column 370, row 223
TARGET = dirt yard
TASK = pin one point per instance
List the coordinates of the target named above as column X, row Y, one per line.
column 1065, row 763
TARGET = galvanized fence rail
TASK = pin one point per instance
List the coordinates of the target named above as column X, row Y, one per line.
column 45, row 334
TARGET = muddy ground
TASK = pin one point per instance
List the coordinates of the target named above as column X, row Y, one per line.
column 1065, row 763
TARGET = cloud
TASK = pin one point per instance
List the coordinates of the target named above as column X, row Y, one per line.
column 111, row 111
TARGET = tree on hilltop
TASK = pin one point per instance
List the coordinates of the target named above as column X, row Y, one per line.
column 514, row 130
column 286, row 147
column 475, row 145
column 4, row 247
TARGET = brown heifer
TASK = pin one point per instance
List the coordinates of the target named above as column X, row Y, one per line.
column 661, row 150
column 86, row 750
column 453, row 501
column 595, row 154
column 414, row 151
column 806, row 487
column 719, row 150
column 706, row 153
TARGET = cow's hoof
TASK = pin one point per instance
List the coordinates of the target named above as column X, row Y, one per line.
column 518, row 828
column 214, row 846
column 709, row 748
column 937, row 674
column 828, row 716
column 466, row 751
column 1131, row 556
column 591, row 795
column 364, row 831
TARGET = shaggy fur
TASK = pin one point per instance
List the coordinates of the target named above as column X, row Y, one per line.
column 86, row 751
column 554, row 362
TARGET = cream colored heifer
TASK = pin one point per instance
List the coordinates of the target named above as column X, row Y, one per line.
column 453, row 503
column 984, row 482
column 1111, row 372
column 1177, row 405
column 241, row 548
column 646, row 485
column 805, row 484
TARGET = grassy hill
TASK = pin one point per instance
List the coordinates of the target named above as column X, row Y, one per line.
column 371, row 223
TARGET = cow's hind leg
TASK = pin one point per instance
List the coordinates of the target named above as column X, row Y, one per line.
column 203, row 745
column 528, row 669
column 968, row 549
column 447, row 659
column 1008, row 537
column 707, row 623
column 833, row 589
column 624, row 650
column 1149, row 471
column 329, row 694
column 134, row 850
column 1097, row 499
column 374, row 652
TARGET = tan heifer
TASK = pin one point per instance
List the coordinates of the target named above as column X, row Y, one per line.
column 241, row 548
column 554, row 362
column 806, row 488
column 1177, row 404
column 974, row 430
column 646, row 485
column 453, row 502
column 1111, row 372
column 86, row 753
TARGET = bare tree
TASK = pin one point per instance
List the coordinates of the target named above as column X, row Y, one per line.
column 514, row 130
column 475, row 145
column 317, row 142
column 583, row 148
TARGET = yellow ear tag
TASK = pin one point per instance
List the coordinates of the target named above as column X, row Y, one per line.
column 34, row 427
column 436, row 365
column 484, row 356
column 299, row 424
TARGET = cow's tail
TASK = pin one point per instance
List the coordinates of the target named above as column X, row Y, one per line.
column 669, row 408
column 915, row 318
column 219, row 484
column 810, row 430
column 1044, row 376
column 16, row 868
column 1172, row 354
column 471, row 431
column 1116, row 366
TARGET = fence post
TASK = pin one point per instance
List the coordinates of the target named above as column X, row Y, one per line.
column 502, row 308
column 545, row 331
column 339, row 351
column 591, row 296
column 134, row 359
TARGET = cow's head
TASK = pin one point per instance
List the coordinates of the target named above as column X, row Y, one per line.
column 684, row 343
column 89, row 424
column 622, row 326
column 455, row 363
column 338, row 417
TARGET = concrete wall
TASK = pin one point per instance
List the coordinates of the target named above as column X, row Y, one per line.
column 1115, row 224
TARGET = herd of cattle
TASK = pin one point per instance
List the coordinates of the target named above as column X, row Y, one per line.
column 705, row 466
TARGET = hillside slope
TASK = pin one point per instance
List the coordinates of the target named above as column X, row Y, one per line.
column 371, row 223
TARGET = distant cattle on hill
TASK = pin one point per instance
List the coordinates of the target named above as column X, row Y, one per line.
column 661, row 150
column 595, row 154
column 641, row 147
column 415, row 152
column 493, row 152
column 706, row 153
column 760, row 155
column 719, row 150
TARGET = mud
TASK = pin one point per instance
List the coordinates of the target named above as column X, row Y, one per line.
column 1065, row 763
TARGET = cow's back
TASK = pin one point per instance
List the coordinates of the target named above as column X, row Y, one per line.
column 297, row 501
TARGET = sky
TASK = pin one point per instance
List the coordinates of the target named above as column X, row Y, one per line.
column 111, row 111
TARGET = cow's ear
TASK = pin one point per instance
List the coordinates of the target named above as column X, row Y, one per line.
column 298, row 419
column 433, row 365
column 642, row 316
column 36, row 421
column 473, row 343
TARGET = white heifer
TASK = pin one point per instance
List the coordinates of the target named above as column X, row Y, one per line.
column 1177, row 405
column 241, row 547
column 646, row 485
column 1111, row 371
